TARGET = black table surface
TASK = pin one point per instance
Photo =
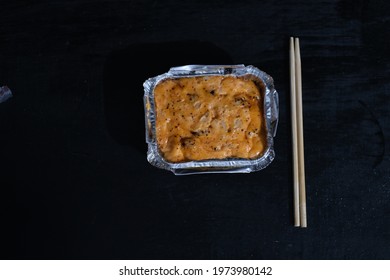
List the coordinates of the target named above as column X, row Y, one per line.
column 75, row 182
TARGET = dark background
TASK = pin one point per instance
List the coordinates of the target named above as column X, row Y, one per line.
column 74, row 179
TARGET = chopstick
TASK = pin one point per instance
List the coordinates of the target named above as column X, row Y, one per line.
column 300, row 216
column 297, row 222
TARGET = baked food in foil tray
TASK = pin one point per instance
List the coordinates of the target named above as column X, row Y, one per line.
column 211, row 119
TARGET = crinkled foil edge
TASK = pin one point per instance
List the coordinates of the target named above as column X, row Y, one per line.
column 271, row 115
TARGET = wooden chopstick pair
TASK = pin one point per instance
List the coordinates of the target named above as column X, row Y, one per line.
column 300, row 218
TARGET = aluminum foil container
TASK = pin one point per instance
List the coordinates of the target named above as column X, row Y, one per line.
column 227, row 165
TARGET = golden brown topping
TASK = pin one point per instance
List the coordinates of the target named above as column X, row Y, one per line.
column 213, row 117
